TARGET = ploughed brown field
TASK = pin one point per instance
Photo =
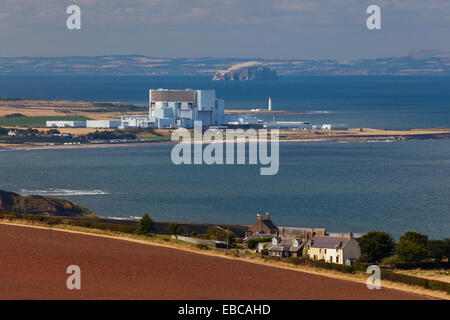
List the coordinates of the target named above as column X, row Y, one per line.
column 33, row 266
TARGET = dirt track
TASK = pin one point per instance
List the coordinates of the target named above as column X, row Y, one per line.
column 34, row 267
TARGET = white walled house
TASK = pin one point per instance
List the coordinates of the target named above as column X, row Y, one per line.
column 333, row 249
column 286, row 247
column 180, row 108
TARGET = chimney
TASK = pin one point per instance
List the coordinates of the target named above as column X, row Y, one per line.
column 350, row 236
column 267, row 215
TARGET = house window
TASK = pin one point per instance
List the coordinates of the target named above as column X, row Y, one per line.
column 325, row 251
column 331, row 259
column 337, row 259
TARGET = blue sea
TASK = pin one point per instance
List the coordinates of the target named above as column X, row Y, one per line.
column 385, row 102
column 390, row 186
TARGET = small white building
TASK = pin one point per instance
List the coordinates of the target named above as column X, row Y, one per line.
column 135, row 122
column 103, row 124
column 334, row 127
column 65, row 124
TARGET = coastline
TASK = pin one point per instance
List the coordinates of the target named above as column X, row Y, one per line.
column 421, row 134
column 221, row 255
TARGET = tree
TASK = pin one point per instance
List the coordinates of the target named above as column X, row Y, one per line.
column 253, row 243
column 174, row 228
column 53, row 131
column 412, row 247
column 438, row 249
column 220, row 234
column 145, row 225
column 376, row 245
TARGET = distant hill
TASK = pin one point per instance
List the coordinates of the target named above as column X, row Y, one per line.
column 422, row 62
column 247, row 71
column 13, row 202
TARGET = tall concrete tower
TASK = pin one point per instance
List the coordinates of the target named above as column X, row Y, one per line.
column 270, row 104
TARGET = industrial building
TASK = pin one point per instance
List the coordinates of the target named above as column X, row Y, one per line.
column 135, row 122
column 65, row 124
column 103, row 124
column 330, row 127
column 167, row 109
column 180, row 108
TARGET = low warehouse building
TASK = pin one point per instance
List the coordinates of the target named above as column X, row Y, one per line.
column 65, row 124
column 103, row 124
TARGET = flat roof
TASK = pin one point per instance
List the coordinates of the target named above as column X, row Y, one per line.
column 173, row 95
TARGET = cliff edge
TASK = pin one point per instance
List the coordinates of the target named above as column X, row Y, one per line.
column 33, row 204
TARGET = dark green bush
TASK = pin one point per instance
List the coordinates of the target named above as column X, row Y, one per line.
column 299, row 261
column 361, row 266
column 332, row 266
column 439, row 285
column 273, row 258
column 252, row 243
column 420, row 265
column 10, row 215
column 54, row 220
column 415, row 281
column 103, row 226
column 33, row 217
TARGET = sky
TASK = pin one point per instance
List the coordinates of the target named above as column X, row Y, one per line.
column 320, row 29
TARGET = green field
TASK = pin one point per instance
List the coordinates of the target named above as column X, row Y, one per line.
column 35, row 122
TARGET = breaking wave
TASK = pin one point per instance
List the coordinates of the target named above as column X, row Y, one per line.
column 62, row 192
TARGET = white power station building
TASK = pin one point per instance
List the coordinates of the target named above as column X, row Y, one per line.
column 167, row 109
column 180, row 108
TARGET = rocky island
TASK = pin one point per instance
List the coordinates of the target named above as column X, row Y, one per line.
column 247, row 71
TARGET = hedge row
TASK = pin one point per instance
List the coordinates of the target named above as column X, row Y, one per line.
column 361, row 266
column 79, row 223
column 29, row 217
column 102, row 226
column 415, row 281
column 321, row 264
column 10, row 215
column 420, row 265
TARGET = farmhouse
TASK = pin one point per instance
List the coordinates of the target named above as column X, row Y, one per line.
column 334, row 249
column 262, row 226
column 286, row 247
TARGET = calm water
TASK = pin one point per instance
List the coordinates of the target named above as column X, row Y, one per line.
column 394, row 186
column 377, row 102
